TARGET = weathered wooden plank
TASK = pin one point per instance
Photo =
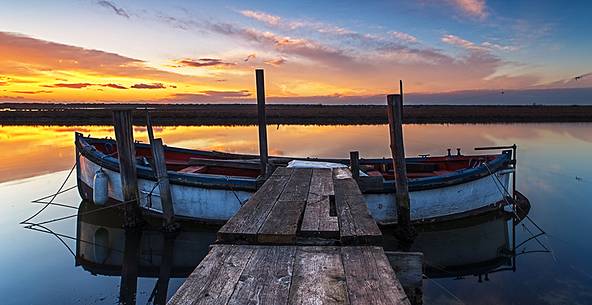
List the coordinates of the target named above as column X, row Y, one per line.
column 281, row 224
column 213, row 281
column 319, row 277
column 283, row 171
column 299, row 185
column 362, row 229
column 317, row 219
column 370, row 279
column 245, row 224
column 267, row 277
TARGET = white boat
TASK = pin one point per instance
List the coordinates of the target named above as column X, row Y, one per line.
column 211, row 186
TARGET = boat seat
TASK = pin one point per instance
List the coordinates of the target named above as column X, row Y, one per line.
column 193, row 169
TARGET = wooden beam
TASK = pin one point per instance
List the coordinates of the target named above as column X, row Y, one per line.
column 354, row 161
column 395, row 118
column 164, row 187
column 126, row 153
column 261, row 121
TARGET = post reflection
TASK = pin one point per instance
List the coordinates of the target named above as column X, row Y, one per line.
column 105, row 247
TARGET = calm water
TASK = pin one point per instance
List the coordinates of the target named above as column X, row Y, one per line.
column 468, row 262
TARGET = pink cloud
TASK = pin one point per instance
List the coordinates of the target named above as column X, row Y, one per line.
column 261, row 16
column 474, row 8
column 275, row 62
column 404, row 36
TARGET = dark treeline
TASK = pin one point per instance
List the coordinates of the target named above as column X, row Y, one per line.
column 246, row 114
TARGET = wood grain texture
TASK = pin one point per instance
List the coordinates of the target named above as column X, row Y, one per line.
column 245, row 224
column 317, row 219
column 319, row 277
column 299, row 184
column 370, row 279
column 267, row 277
column 281, row 225
column 213, row 281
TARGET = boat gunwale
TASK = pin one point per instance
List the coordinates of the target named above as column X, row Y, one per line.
column 84, row 145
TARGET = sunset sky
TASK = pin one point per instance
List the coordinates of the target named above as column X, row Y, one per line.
column 315, row 51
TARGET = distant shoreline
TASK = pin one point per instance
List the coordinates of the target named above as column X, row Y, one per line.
column 246, row 114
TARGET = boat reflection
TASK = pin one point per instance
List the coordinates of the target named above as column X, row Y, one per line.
column 477, row 246
column 105, row 247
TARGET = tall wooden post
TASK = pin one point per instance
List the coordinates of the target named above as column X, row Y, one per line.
column 126, row 153
column 354, row 160
column 164, row 187
column 160, row 170
column 261, row 121
column 395, row 119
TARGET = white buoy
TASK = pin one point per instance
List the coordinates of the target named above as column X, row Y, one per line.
column 100, row 187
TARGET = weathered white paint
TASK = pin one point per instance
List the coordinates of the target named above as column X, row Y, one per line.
column 210, row 204
column 443, row 201
column 217, row 204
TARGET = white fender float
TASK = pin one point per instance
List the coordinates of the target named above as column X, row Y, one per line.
column 100, row 187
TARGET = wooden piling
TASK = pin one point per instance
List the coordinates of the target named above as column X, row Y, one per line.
column 160, row 170
column 262, row 121
column 126, row 153
column 164, row 187
column 395, row 119
column 354, row 161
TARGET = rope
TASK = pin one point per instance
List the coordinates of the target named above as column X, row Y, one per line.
column 52, row 197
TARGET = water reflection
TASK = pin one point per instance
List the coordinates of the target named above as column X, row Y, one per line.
column 105, row 247
column 32, row 150
column 471, row 248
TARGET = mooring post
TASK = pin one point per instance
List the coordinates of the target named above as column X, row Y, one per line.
column 354, row 162
column 395, row 119
column 261, row 121
column 162, row 177
column 164, row 187
column 149, row 126
column 126, row 153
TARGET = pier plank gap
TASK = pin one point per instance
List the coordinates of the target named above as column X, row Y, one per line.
column 305, row 237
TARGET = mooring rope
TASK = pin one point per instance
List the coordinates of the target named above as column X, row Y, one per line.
column 52, row 197
column 443, row 288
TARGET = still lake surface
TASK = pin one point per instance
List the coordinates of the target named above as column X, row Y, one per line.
column 468, row 262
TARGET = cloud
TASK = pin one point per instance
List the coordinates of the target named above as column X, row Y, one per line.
column 250, row 56
column 114, row 86
column 263, row 17
column 275, row 62
column 82, row 85
column 30, row 57
column 32, row 92
column 404, row 36
column 203, row 62
column 210, row 96
column 225, row 94
column 459, row 42
column 469, row 45
column 3, row 83
column 117, row 10
column 474, row 8
column 149, row 86
column 66, row 85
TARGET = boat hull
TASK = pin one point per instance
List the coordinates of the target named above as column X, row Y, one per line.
column 216, row 205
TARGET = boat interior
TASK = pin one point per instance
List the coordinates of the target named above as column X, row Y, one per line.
column 229, row 164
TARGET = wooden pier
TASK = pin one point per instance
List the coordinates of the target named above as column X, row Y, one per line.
column 305, row 237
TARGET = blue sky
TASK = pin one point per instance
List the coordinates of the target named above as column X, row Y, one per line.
column 308, row 48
